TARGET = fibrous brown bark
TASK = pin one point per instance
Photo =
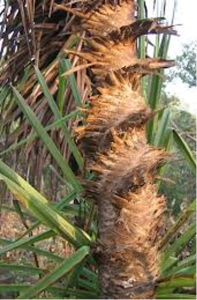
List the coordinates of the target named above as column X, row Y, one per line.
column 114, row 143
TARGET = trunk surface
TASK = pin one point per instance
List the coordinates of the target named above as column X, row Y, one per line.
column 114, row 144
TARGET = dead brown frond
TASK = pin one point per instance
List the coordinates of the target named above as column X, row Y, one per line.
column 33, row 33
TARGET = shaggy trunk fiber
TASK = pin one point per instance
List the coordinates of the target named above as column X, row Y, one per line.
column 114, row 144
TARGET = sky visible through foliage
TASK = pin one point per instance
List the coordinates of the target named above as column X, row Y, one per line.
column 185, row 18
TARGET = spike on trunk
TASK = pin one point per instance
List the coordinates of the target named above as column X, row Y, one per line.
column 113, row 140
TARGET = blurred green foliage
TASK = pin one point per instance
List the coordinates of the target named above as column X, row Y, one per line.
column 183, row 190
column 186, row 65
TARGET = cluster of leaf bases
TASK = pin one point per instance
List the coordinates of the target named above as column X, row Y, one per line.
column 113, row 140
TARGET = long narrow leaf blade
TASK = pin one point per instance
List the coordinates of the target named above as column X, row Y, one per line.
column 55, row 290
column 60, row 205
column 48, row 215
column 28, row 241
column 181, row 242
column 34, row 135
column 182, row 145
column 67, row 66
column 9, row 267
column 60, row 271
column 73, row 148
column 33, row 249
column 29, row 114
column 175, row 296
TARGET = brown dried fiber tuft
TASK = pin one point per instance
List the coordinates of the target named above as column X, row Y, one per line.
column 113, row 140
column 103, row 20
column 111, row 56
column 117, row 107
column 129, row 243
column 128, row 165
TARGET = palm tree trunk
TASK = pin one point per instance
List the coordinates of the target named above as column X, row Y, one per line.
column 115, row 146
column 113, row 138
